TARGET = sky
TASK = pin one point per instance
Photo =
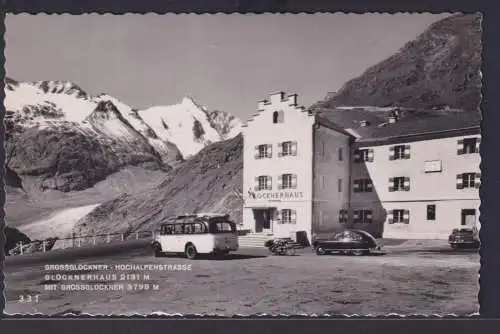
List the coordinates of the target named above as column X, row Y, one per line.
column 225, row 62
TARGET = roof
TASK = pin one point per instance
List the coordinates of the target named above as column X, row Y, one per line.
column 410, row 123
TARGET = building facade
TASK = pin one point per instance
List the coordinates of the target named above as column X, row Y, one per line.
column 305, row 173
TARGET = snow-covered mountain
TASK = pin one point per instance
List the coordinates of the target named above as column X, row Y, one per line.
column 190, row 126
column 70, row 140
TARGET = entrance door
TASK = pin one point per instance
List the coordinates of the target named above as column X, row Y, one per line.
column 468, row 217
column 262, row 220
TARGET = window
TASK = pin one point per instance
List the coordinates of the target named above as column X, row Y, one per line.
column 399, row 152
column 399, row 184
column 399, row 216
column 263, row 151
column 340, row 153
column 287, row 181
column 323, row 182
column 431, row 212
column 278, row 117
column 288, row 216
column 362, row 216
column 323, row 149
column 343, row 215
column 468, row 145
column 218, row 226
column 363, row 155
column 288, row 148
column 264, row 182
column 178, row 229
column 363, row 185
column 339, row 185
column 468, row 180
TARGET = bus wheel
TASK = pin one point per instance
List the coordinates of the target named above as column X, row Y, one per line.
column 190, row 252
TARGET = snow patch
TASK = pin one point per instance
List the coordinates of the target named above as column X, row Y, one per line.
column 59, row 225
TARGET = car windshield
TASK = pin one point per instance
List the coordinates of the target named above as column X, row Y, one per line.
column 221, row 226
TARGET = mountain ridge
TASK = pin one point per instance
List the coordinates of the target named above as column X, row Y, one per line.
column 440, row 68
column 62, row 116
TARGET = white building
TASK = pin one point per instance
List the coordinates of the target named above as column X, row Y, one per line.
column 400, row 177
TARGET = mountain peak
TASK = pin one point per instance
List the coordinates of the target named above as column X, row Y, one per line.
column 441, row 67
column 60, row 87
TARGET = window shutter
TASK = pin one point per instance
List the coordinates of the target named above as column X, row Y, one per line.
column 460, row 146
column 370, row 155
column 280, row 182
column 294, row 181
column 390, row 214
column 357, row 156
column 355, row 215
column 460, row 181
column 391, row 153
column 280, row 152
column 478, row 143
column 293, row 216
column 278, row 215
column 391, row 184
column 406, row 216
column 406, row 184
column 356, row 186
column 269, row 150
column 256, row 183
column 269, row 183
column 477, row 180
column 294, row 148
column 341, row 215
column 257, row 152
column 369, row 216
column 407, row 152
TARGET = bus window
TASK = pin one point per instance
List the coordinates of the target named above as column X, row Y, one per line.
column 222, row 226
column 188, row 228
column 178, row 229
column 168, row 229
column 199, row 228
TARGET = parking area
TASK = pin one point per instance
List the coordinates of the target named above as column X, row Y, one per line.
column 426, row 279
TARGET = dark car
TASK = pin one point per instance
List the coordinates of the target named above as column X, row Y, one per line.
column 352, row 242
column 463, row 238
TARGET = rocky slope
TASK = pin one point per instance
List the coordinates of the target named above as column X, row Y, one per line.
column 61, row 138
column 441, row 67
column 209, row 182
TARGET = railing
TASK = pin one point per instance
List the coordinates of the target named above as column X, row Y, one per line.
column 78, row 241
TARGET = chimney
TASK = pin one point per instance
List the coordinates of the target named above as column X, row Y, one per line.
column 364, row 123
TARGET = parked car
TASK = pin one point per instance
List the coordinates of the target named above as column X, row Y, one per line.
column 351, row 242
column 463, row 237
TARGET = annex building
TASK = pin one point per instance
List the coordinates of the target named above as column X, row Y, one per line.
column 396, row 173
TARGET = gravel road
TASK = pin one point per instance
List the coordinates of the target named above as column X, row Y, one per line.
column 405, row 281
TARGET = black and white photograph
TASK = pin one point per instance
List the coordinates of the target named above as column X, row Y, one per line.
column 243, row 164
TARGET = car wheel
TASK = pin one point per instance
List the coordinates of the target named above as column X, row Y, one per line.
column 357, row 252
column 453, row 246
column 320, row 251
column 190, row 252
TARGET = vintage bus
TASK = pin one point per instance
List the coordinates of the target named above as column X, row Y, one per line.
column 195, row 234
